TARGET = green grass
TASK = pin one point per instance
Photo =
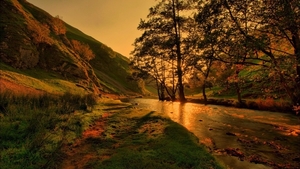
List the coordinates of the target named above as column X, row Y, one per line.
column 54, row 56
column 114, row 76
column 148, row 140
column 34, row 128
column 49, row 82
column 35, row 73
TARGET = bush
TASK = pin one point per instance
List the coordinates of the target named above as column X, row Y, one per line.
column 271, row 104
column 58, row 26
column 83, row 50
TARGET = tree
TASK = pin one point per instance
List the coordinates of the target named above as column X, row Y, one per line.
column 160, row 48
column 204, row 40
column 260, row 32
column 274, row 32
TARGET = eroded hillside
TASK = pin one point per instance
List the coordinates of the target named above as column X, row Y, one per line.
column 34, row 44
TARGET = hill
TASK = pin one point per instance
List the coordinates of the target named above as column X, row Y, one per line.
column 41, row 53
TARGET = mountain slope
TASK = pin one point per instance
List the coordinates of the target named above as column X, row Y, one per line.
column 37, row 45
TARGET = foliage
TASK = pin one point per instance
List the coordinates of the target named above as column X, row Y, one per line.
column 34, row 128
column 83, row 50
column 241, row 46
column 257, row 33
column 40, row 32
column 59, row 26
column 160, row 49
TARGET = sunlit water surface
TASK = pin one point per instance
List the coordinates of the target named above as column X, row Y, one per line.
column 270, row 137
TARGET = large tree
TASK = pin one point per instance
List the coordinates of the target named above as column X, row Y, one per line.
column 273, row 30
column 259, row 32
column 162, row 41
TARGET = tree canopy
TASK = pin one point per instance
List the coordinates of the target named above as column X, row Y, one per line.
column 181, row 37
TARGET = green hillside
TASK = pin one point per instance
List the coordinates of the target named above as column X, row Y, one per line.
column 36, row 45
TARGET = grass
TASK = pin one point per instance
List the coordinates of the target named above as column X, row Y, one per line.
column 34, row 128
column 142, row 139
column 59, row 55
column 114, row 77
column 40, row 80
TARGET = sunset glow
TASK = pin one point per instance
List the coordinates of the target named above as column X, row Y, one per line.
column 113, row 23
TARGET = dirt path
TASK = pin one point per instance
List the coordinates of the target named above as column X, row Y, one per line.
column 81, row 153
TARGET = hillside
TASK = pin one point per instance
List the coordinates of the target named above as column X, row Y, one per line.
column 38, row 53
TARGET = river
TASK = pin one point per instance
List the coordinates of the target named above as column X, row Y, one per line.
column 238, row 138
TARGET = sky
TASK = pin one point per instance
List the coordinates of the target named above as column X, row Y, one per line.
column 112, row 22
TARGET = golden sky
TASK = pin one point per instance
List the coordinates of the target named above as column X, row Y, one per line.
column 112, row 22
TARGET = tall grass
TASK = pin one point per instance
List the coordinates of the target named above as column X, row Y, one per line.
column 270, row 104
column 33, row 128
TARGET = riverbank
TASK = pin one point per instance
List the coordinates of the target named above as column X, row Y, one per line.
column 62, row 132
column 239, row 138
column 258, row 104
column 268, row 104
column 136, row 138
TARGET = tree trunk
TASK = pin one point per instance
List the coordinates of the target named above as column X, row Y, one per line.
column 205, row 79
column 294, row 29
column 296, row 42
column 178, row 50
column 203, row 91
column 238, row 92
column 237, row 87
column 158, row 89
column 180, row 84
column 162, row 92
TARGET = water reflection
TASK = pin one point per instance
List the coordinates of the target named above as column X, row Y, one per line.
column 179, row 112
column 273, row 137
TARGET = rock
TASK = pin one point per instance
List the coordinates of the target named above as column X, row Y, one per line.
column 297, row 159
column 235, row 152
column 230, row 134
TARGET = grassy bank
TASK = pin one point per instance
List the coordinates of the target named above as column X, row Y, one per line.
column 59, row 131
column 34, row 128
column 136, row 138
column 268, row 104
column 256, row 96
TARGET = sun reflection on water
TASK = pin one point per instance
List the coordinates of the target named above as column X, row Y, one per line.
column 222, row 128
column 185, row 113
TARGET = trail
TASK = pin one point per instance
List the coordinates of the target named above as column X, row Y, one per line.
column 81, row 152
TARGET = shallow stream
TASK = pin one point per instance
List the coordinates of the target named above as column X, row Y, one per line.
column 238, row 138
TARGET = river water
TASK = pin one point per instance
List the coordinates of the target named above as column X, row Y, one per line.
column 238, row 138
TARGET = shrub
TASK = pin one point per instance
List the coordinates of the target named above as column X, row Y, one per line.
column 83, row 50
column 58, row 26
column 39, row 32
column 266, row 104
column 296, row 108
column 272, row 105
